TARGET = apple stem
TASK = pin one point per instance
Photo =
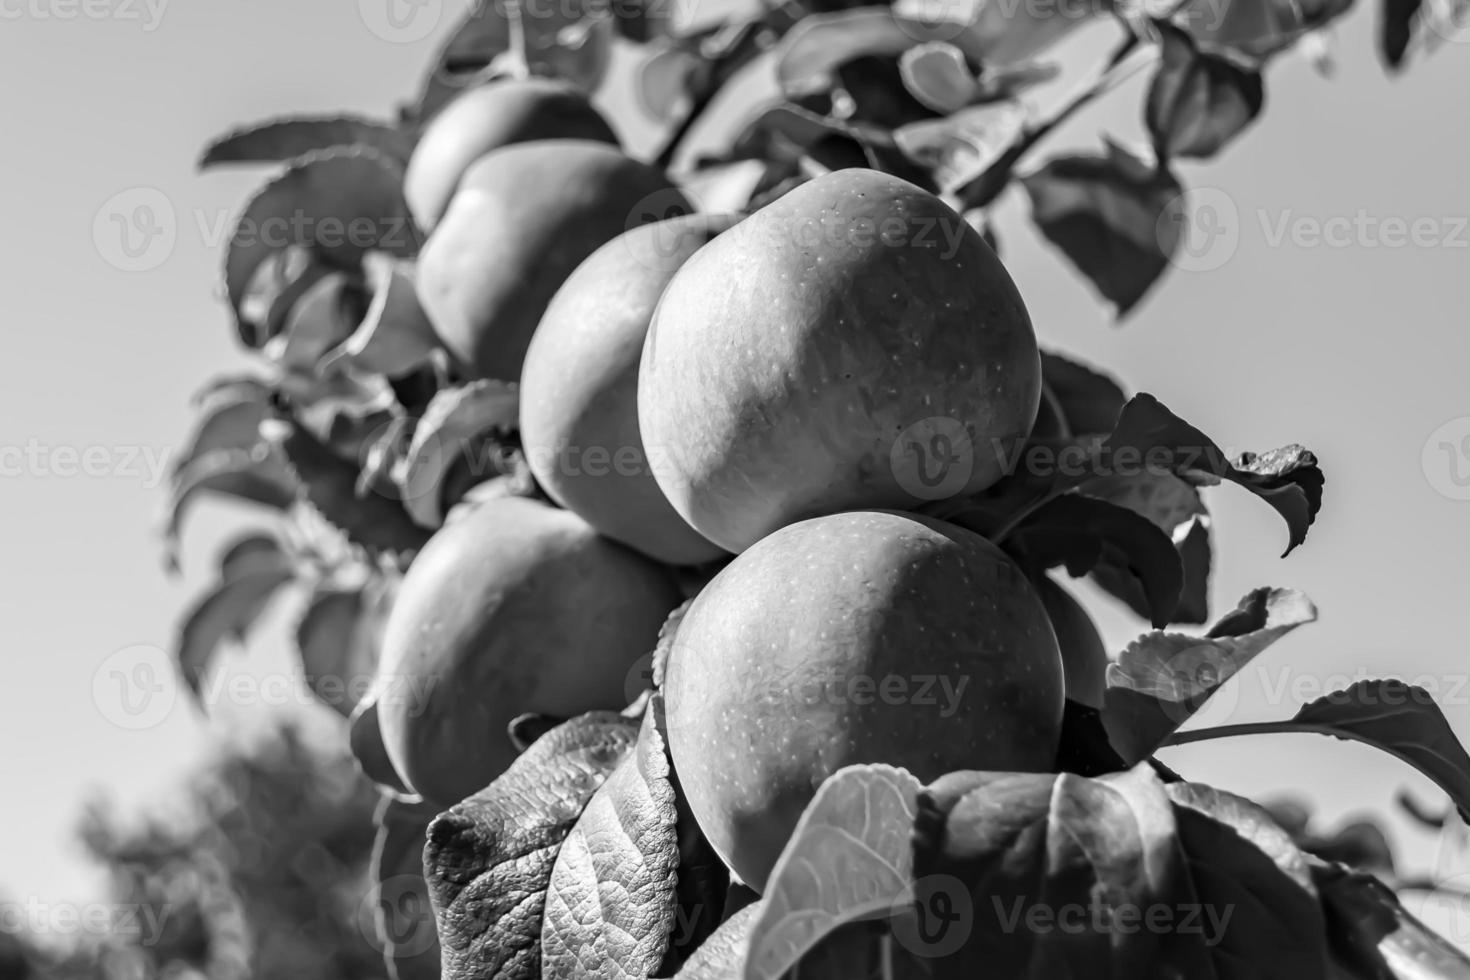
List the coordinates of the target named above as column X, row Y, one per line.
column 1246, row 728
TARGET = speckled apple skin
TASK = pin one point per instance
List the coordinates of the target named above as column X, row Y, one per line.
column 758, row 709
column 788, row 356
column 523, row 218
column 517, row 607
column 1084, row 657
column 579, row 389
column 485, row 118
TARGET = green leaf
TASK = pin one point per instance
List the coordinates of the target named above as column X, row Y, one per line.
column 1110, row 215
column 329, row 484
column 337, row 640
column 1397, row 26
column 1090, row 400
column 462, row 427
column 570, row 40
column 1400, row 719
column 1080, row 532
column 1084, row 749
column 489, row 859
column 1373, row 937
column 394, row 336
column 334, row 205
column 848, row 859
column 961, row 147
column 258, row 475
column 365, row 741
column 938, row 75
column 402, row 919
column 1255, row 30
column 1162, row 679
column 249, row 553
column 322, row 316
column 999, row 858
column 1198, row 102
column 272, row 291
column 626, row 843
column 228, row 611
column 280, row 140
column 1175, row 507
column 809, row 55
column 722, row 955
column 1253, row 885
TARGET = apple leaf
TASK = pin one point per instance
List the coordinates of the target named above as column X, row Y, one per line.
column 848, row 859
column 1194, row 550
column 229, row 418
column 961, row 147
column 280, row 140
column 1198, row 102
column 394, row 336
column 1090, row 400
column 569, row 40
column 337, row 640
column 1396, row 28
column 1175, row 507
column 1254, row 30
column 323, row 315
column 1372, row 935
column 1245, row 867
column 272, row 291
column 374, row 521
column 1079, row 533
column 258, row 475
column 938, row 75
column 335, row 204
column 1084, row 749
column 489, row 859
column 462, row 427
column 666, row 633
column 1398, row 718
column 1109, row 214
column 1162, row 679
column 722, row 955
column 625, row 843
column 809, row 55
column 664, row 78
column 249, row 553
column 402, row 919
column 365, row 741
column 993, row 850
column 228, row 610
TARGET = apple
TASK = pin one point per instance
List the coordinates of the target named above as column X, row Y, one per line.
column 515, row 607
column 853, row 344
column 486, row 118
column 579, row 389
column 1084, row 657
column 862, row 637
column 523, row 218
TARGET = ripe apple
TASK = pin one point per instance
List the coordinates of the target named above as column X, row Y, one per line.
column 863, row 637
column 579, row 389
column 1084, row 657
column 516, row 607
column 853, row 344
column 523, row 218
column 486, row 118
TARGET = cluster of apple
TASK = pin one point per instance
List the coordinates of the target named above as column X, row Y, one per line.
column 760, row 404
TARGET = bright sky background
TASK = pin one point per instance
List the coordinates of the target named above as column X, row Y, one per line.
column 1358, row 352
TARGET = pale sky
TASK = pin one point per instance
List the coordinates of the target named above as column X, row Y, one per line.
column 1350, row 345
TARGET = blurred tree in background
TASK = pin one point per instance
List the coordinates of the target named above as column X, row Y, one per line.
column 259, row 870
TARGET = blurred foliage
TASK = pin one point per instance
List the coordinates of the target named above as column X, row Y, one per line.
column 260, row 869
